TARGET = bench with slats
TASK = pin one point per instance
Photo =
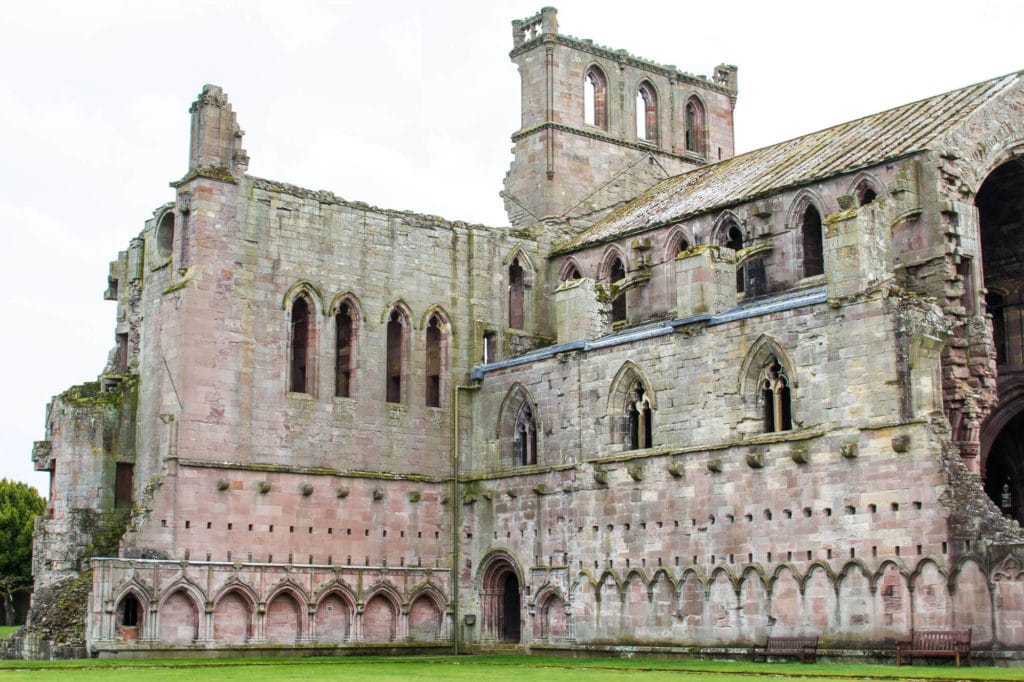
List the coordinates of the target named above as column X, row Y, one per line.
column 804, row 648
column 946, row 643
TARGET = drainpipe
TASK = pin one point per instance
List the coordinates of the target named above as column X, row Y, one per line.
column 456, row 506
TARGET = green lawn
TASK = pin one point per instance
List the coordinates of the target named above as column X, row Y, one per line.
column 489, row 668
column 7, row 630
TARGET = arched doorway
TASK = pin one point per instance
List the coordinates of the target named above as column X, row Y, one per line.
column 501, row 601
column 1000, row 203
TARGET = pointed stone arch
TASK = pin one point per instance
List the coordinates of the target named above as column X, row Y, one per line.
column 426, row 614
column 632, row 402
column 380, row 611
column 300, row 288
column 767, row 385
column 521, row 274
column 595, row 97
column 349, row 320
column 696, row 128
column 866, row 188
column 285, row 619
column 233, row 611
column 678, row 240
column 178, row 614
column 438, row 344
column 806, row 218
column 569, row 270
column 397, row 320
column 518, row 429
column 131, row 608
column 334, row 612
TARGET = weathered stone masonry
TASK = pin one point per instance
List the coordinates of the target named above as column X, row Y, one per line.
column 687, row 399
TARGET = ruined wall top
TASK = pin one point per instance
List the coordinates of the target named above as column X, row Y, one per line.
column 216, row 140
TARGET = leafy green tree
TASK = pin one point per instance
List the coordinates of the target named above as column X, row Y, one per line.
column 19, row 505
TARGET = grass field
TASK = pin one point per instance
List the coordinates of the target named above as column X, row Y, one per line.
column 489, row 668
column 7, row 630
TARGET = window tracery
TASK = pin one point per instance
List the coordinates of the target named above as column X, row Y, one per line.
column 775, row 393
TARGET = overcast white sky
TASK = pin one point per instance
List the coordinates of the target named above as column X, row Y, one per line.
column 405, row 105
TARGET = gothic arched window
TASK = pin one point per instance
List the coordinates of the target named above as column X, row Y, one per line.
column 302, row 333
column 516, row 295
column 525, row 436
column 639, row 419
column 814, row 260
column 647, row 113
column 695, row 126
column 616, row 273
column 595, row 98
column 395, row 363
column 775, row 392
column 437, row 350
column 344, row 346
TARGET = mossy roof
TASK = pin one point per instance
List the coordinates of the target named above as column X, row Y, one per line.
column 843, row 148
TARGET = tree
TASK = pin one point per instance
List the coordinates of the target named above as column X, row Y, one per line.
column 19, row 505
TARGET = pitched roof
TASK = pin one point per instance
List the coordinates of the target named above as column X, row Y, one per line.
column 840, row 149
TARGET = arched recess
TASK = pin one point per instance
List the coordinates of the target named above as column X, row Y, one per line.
column 866, row 188
column 380, row 615
column 805, row 220
column 856, row 603
column 696, row 126
column 767, row 383
column 551, row 623
column 632, row 404
column 232, row 615
column 569, row 270
column 679, row 240
column 178, row 613
column 426, row 615
column 1000, row 204
column 334, row 609
column 438, row 335
column 501, row 604
column 397, row 321
column 518, row 428
column 595, row 97
column 302, row 302
column 348, row 318
column 165, row 233
column 284, row 620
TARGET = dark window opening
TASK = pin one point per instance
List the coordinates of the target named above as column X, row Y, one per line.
column 775, row 393
column 301, row 321
column 516, row 295
column 681, row 245
column 866, row 195
column 638, row 418
column 525, row 444
column 395, row 351
column 617, row 273
column 130, row 610
column 344, row 354
column 434, row 351
column 734, row 241
column 123, row 478
column 814, row 261
column 511, row 625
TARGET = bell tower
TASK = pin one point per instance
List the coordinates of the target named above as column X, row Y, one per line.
column 600, row 126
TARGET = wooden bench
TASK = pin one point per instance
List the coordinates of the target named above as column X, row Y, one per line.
column 804, row 648
column 948, row 643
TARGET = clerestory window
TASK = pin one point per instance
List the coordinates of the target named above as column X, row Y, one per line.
column 775, row 393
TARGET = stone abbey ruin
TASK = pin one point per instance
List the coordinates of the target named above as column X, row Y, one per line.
column 684, row 400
